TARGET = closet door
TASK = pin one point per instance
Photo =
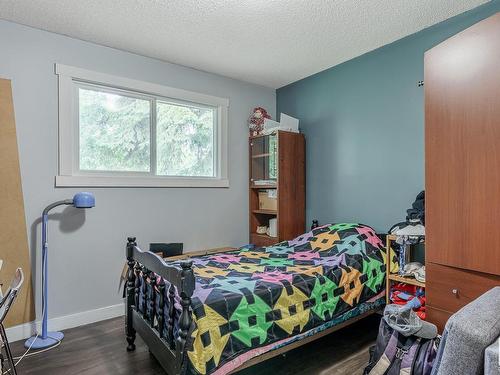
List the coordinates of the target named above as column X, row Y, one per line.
column 462, row 138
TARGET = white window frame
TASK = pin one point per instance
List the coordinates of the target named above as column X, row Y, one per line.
column 69, row 175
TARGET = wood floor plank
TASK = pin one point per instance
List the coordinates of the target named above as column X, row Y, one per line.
column 99, row 349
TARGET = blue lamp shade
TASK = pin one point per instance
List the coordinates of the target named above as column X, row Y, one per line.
column 84, row 200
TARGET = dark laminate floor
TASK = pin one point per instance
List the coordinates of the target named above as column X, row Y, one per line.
column 100, row 349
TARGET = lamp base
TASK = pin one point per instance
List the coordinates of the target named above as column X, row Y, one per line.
column 38, row 343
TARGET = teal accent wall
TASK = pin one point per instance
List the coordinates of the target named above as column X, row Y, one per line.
column 364, row 127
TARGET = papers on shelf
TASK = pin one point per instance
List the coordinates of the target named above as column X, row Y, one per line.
column 287, row 123
column 264, row 182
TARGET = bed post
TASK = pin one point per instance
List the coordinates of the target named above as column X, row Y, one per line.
column 171, row 312
column 187, row 289
column 130, row 296
column 145, row 274
column 152, row 299
column 161, row 307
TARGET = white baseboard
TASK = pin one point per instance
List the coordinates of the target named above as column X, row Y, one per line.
column 23, row 331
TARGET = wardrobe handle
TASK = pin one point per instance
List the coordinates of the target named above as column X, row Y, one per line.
column 455, row 292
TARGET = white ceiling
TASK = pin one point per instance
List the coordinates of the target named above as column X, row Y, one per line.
column 268, row 42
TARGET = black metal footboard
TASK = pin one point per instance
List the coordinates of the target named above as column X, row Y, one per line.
column 146, row 316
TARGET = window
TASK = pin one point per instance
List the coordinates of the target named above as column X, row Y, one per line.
column 120, row 132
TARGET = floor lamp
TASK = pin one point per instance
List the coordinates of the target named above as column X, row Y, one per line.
column 47, row 339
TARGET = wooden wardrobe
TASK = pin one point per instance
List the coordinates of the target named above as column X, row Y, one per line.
column 462, row 168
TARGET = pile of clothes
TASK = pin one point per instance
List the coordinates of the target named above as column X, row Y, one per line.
column 414, row 227
column 410, row 295
column 415, row 270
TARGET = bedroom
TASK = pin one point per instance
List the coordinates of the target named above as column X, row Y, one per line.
column 352, row 73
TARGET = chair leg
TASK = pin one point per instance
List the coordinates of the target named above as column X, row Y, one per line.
column 12, row 365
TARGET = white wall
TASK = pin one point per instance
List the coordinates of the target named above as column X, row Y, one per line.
column 87, row 248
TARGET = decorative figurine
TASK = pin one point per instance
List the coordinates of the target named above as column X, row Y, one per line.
column 256, row 120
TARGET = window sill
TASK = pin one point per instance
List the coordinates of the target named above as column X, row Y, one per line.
column 130, row 181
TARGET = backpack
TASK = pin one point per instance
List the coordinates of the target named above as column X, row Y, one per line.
column 396, row 354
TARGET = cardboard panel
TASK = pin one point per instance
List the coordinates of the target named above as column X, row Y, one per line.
column 14, row 242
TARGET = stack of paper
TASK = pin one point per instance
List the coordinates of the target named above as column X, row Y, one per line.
column 287, row 123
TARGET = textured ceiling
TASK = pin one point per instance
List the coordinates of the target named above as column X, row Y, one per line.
column 268, row 42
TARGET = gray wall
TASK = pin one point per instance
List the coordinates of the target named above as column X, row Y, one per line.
column 364, row 127
column 87, row 248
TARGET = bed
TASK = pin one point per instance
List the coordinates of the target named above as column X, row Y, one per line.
column 219, row 313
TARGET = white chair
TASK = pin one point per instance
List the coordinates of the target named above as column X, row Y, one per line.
column 5, row 304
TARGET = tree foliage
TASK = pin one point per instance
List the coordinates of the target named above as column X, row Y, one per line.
column 185, row 139
column 115, row 135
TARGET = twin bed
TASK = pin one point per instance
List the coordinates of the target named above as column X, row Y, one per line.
column 219, row 313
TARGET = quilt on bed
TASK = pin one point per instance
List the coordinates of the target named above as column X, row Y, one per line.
column 250, row 298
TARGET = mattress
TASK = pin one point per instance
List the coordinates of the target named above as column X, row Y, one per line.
column 250, row 300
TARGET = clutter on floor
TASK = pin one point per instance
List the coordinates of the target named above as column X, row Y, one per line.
column 405, row 344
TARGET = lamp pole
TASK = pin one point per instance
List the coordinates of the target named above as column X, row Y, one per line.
column 47, row 339
column 45, row 249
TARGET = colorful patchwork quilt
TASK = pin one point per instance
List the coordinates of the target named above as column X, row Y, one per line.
column 252, row 297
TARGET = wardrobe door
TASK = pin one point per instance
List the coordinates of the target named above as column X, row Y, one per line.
column 462, row 138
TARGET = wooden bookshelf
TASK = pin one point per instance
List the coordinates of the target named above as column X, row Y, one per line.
column 394, row 277
column 277, row 157
column 262, row 239
column 262, row 186
column 406, row 280
column 261, row 155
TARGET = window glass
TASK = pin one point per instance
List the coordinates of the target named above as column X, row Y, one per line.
column 114, row 132
column 185, row 140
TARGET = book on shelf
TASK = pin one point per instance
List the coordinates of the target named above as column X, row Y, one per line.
column 264, row 182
